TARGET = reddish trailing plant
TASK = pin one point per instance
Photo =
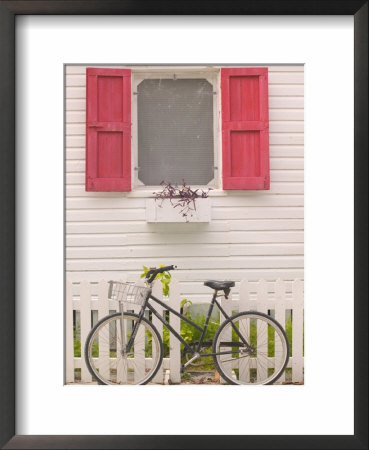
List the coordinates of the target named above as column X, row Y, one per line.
column 181, row 197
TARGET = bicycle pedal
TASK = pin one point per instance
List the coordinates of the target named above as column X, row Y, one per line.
column 182, row 368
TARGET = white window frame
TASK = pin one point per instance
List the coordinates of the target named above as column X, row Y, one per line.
column 212, row 75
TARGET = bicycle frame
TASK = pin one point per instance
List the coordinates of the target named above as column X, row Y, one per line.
column 203, row 330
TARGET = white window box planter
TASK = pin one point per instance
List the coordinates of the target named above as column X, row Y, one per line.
column 163, row 211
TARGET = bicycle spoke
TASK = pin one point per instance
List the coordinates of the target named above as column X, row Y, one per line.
column 266, row 357
column 107, row 356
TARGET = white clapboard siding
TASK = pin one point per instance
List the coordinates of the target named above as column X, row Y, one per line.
column 121, row 226
column 276, row 298
column 80, row 192
column 253, row 234
column 257, row 262
column 157, row 251
column 235, row 237
column 192, row 275
column 78, row 129
column 283, row 138
column 286, row 77
column 247, row 200
column 295, row 151
column 73, row 178
column 75, row 69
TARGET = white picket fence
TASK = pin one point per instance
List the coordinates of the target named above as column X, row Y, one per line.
column 91, row 300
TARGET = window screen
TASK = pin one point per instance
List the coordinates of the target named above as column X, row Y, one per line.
column 175, row 131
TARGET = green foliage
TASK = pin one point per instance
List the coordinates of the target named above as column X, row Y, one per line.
column 77, row 341
column 192, row 335
column 288, row 330
column 164, row 278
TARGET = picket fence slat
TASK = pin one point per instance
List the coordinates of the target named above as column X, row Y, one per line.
column 297, row 332
column 86, row 297
column 69, row 333
column 85, row 319
column 280, row 310
column 158, row 293
column 175, row 346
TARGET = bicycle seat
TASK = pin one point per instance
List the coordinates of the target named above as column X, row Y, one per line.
column 219, row 285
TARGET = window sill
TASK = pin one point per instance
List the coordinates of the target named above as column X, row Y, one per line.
column 164, row 212
column 148, row 193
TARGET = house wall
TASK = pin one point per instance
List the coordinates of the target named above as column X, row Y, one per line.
column 252, row 234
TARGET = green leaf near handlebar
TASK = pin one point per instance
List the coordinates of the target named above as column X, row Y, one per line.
column 164, row 277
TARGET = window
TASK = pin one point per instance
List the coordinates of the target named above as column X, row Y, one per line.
column 165, row 126
column 175, row 135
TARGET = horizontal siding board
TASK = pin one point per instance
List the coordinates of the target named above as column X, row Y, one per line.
column 75, row 92
column 81, row 69
column 286, row 102
column 286, row 163
column 72, row 69
column 286, row 175
column 274, row 139
column 76, row 79
column 257, row 262
column 276, row 90
column 78, row 129
column 75, row 117
column 253, row 199
column 217, row 214
column 296, row 126
column 97, row 214
column 275, row 77
column 286, row 139
column 286, row 77
column 215, row 225
column 294, row 151
column 279, row 114
column 180, row 251
column 75, row 104
column 246, row 237
column 75, row 141
column 78, row 116
column 286, row 68
column 266, row 224
column 249, row 199
column 275, row 188
column 191, row 275
column 257, row 213
column 252, row 234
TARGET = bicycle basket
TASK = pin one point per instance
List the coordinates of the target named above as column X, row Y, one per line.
column 127, row 292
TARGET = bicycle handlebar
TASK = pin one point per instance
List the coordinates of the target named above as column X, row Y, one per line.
column 153, row 272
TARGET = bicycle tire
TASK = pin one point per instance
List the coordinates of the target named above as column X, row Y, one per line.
column 251, row 366
column 108, row 366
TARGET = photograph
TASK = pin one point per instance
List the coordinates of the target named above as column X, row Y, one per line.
column 184, row 216
column 184, row 224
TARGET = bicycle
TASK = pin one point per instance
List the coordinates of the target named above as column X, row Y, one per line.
column 125, row 348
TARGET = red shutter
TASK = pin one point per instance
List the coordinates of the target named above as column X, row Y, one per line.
column 245, row 128
column 108, row 130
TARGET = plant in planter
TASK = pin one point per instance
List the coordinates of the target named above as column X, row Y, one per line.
column 181, row 197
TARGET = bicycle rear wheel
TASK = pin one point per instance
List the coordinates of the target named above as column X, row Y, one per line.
column 109, row 364
column 251, row 348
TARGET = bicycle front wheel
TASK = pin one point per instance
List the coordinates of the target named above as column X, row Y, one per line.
column 251, row 348
column 107, row 359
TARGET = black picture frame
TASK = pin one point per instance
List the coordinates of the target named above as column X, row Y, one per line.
column 8, row 11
